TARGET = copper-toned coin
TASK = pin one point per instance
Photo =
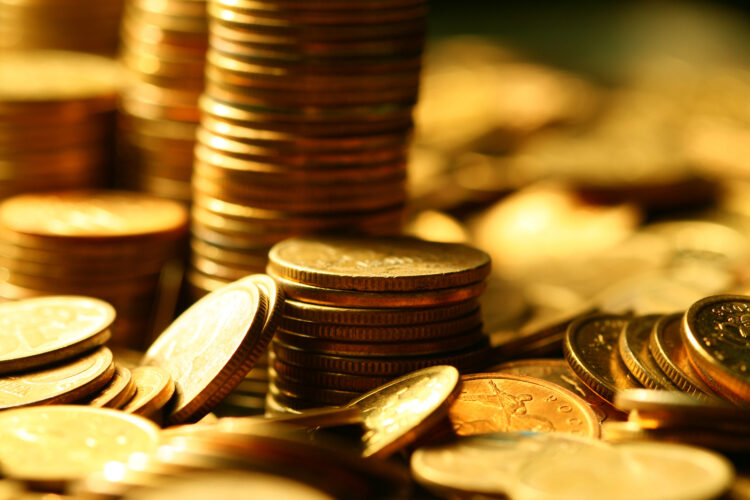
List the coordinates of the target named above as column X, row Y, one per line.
column 635, row 353
column 154, row 388
column 350, row 298
column 320, row 396
column 495, row 402
column 60, row 383
column 48, row 329
column 590, row 348
column 333, row 380
column 211, row 347
column 62, row 443
column 558, row 372
column 117, row 392
column 716, row 331
column 699, row 411
column 369, row 264
column 667, row 348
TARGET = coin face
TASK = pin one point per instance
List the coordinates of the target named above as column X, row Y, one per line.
column 153, row 389
column 60, row 383
column 716, row 331
column 47, row 329
column 92, row 214
column 394, row 414
column 590, row 348
column 210, row 347
column 635, row 353
column 495, row 402
column 382, row 264
column 60, row 443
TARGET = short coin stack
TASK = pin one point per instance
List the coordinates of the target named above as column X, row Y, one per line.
column 361, row 311
column 106, row 244
column 305, row 125
column 56, row 120
column 79, row 25
column 164, row 45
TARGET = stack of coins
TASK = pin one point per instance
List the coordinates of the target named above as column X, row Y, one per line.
column 56, row 120
column 305, row 126
column 79, row 25
column 361, row 311
column 164, row 45
column 106, row 244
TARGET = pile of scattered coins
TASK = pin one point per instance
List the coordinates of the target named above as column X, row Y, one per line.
column 56, row 120
column 163, row 50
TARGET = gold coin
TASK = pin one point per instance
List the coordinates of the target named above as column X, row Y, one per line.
column 635, row 353
column 328, row 379
column 211, row 347
column 668, row 350
column 63, row 443
column 591, row 351
column 308, row 395
column 721, row 440
column 154, row 388
column 48, row 329
column 60, row 383
column 370, row 264
column 119, row 391
column 495, row 402
column 699, row 411
column 716, row 331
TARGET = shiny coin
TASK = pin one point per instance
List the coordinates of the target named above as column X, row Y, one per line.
column 494, row 402
column 154, row 388
column 635, row 353
column 117, row 392
column 48, row 329
column 61, row 443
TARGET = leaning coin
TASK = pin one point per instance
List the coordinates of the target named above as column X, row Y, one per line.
column 210, row 348
column 496, row 402
column 61, row 383
column 716, row 331
column 154, row 388
column 117, row 392
column 635, row 353
column 62, row 443
column 40, row 331
column 590, row 348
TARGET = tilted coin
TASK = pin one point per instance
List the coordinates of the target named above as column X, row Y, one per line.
column 590, row 348
column 635, row 353
column 48, row 329
column 716, row 331
column 670, row 354
column 494, row 402
column 210, row 347
column 61, row 443
column 65, row 382
column 395, row 414
column 119, row 391
column 713, row 438
column 681, row 406
column 154, row 388
column 369, row 264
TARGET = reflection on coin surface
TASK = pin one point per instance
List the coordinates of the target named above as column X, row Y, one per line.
column 117, row 392
column 716, row 331
column 47, row 329
column 635, row 353
column 58, row 443
column 210, row 347
column 394, row 414
column 61, row 383
column 384, row 264
column 496, row 402
column 153, row 388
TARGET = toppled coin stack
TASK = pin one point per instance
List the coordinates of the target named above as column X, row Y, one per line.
column 107, row 244
column 361, row 311
column 163, row 50
column 56, row 120
column 79, row 25
column 305, row 126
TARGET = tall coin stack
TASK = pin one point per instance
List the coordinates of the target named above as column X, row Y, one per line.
column 56, row 120
column 305, row 125
column 106, row 244
column 163, row 49
column 79, row 25
column 362, row 311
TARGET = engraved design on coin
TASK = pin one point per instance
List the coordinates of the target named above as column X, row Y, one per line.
column 732, row 324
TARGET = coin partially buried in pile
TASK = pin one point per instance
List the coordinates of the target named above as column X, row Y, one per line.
column 363, row 310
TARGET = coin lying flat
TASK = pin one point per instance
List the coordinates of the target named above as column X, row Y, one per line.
column 494, row 402
column 380, row 264
column 590, row 348
column 48, row 329
column 61, row 383
column 716, row 331
column 210, row 347
column 635, row 353
column 60, row 443
column 154, row 388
